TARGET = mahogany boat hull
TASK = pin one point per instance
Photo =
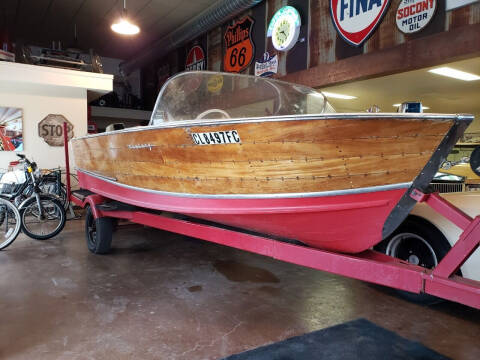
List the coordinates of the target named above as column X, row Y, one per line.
column 282, row 155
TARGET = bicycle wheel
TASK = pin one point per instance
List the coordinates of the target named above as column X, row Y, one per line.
column 52, row 188
column 47, row 225
column 11, row 223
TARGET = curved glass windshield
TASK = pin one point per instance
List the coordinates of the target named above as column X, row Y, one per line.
column 212, row 95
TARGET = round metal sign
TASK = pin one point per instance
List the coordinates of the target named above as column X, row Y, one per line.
column 284, row 28
column 215, row 83
column 414, row 15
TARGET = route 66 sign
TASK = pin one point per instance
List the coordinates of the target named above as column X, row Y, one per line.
column 239, row 47
column 355, row 20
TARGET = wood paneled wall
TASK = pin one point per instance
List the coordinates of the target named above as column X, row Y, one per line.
column 450, row 36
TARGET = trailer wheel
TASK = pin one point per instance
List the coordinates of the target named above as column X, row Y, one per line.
column 418, row 242
column 98, row 233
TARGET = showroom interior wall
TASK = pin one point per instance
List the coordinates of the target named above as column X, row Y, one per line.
column 328, row 59
column 450, row 36
column 322, row 45
column 40, row 91
column 36, row 104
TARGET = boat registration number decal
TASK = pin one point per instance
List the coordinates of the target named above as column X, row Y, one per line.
column 216, row 137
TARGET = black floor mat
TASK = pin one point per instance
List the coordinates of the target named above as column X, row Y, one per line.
column 358, row 339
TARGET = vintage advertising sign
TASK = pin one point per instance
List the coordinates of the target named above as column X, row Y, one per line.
column 215, row 83
column 414, row 15
column 51, row 129
column 284, row 28
column 196, row 59
column 239, row 47
column 355, row 20
column 216, row 137
column 268, row 66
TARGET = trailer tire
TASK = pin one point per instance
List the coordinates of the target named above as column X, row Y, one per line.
column 98, row 233
column 419, row 242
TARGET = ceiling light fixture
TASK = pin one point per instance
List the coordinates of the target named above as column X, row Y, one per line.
column 453, row 73
column 338, row 96
column 123, row 26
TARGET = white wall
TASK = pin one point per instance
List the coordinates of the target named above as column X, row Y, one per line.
column 41, row 91
column 37, row 102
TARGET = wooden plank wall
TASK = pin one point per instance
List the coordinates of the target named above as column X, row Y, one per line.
column 323, row 34
column 450, row 35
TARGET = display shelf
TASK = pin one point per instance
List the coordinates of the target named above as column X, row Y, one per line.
column 467, row 144
column 120, row 113
column 42, row 76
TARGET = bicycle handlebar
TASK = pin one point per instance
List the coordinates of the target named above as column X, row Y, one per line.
column 24, row 158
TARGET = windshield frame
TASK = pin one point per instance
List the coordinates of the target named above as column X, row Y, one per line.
column 155, row 119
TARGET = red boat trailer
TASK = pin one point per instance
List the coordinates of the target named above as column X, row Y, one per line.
column 369, row 265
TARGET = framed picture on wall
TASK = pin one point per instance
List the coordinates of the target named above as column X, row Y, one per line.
column 11, row 129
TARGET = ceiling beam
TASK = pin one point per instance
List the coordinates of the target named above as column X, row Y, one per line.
column 437, row 49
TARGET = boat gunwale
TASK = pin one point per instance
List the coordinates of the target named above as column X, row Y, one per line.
column 304, row 117
column 364, row 190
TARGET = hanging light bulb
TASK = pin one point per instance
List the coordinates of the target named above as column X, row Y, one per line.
column 123, row 26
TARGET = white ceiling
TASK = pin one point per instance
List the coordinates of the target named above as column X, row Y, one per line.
column 439, row 93
column 39, row 22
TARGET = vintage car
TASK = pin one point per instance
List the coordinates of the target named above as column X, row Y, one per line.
column 425, row 236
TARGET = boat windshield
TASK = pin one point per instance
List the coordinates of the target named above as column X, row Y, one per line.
column 209, row 95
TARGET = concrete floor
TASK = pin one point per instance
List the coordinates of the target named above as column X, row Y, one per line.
column 163, row 296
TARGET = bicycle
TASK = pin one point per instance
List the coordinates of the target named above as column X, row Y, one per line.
column 10, row 223
column 42, row 215
column 51, row 183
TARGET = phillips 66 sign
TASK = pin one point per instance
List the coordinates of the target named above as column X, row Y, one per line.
column 239, row 47
column 355, row 20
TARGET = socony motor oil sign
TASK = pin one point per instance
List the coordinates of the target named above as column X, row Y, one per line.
column 355, row 20
column 414, row 15
column 239, row 47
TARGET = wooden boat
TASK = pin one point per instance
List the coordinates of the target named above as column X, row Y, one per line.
column 270, row 157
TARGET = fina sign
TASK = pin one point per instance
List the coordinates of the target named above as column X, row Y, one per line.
column 355, row 20
column 414, row 15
